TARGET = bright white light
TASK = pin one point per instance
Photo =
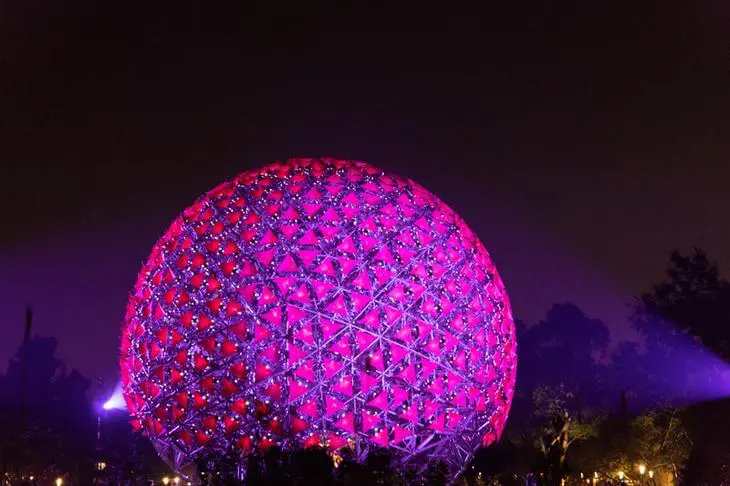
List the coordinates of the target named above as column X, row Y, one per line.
column 116, row 401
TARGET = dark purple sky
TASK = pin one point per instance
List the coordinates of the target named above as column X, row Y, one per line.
column 581, row 140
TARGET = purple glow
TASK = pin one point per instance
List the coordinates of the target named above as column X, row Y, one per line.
column 690, row 373
column 116, row 401
column 319, row 302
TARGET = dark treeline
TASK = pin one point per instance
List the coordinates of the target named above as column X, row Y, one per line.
column 582, row 406
column 315, row 466
column 50, row 425
column 45, row 418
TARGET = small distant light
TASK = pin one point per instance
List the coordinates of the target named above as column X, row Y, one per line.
column 59, row 481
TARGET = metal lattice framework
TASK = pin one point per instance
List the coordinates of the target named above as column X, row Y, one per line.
column 319, row 302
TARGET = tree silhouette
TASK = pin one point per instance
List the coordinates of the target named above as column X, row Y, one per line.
column 47, row 425
column 558, row 383
column 316, row 466
column 562, row 350
column 558, row 426
column 694, row 300
column 656, row 438
column 684, row 321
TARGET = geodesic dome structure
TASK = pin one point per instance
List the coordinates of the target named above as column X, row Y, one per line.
column 319, row 302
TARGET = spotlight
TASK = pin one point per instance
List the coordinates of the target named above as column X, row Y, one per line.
column 116, row 401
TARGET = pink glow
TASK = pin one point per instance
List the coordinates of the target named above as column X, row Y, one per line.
column 319, row 302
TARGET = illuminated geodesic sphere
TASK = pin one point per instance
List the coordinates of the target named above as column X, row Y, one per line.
column 319, row 302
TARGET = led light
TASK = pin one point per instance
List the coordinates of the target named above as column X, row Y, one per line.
column 319, row 302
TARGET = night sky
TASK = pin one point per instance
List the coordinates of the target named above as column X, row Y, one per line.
column 582, row 140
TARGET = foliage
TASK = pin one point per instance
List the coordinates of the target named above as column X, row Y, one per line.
column 694, row 300
column 656, row 439
column 564, row 374
column 558, row 426
column 558, row 370
column 684, row 321
column 659, row 439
